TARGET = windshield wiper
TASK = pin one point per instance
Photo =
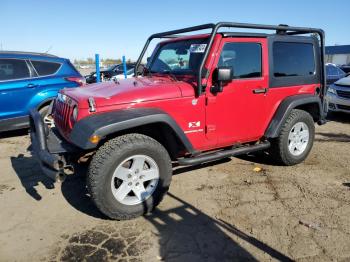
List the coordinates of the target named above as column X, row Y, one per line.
column 171, row 74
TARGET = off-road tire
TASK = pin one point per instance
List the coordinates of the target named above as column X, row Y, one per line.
column 107, row 159
column 279, row 146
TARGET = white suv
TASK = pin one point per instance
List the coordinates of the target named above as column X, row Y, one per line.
column 338, row 96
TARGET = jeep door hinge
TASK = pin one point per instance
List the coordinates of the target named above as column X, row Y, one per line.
column 210, row 128
column 210, row 100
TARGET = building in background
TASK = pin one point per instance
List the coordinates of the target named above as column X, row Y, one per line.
column 338, row 54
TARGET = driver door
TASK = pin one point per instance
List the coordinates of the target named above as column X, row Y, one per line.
column 237, row 114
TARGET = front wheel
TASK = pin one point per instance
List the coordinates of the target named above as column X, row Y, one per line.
column 128, row 176
column 295, row 139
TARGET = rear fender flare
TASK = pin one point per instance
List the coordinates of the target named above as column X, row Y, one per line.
column 285, row 108
column 42, row 98
column 47, row 101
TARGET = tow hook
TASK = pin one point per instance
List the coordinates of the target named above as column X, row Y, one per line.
column 63, row 173
column 68, row 170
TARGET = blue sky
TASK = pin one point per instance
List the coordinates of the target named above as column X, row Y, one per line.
column 79, row 29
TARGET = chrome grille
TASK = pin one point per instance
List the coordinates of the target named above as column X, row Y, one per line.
column 61, row 113
column 345, row 94
column 343, row 107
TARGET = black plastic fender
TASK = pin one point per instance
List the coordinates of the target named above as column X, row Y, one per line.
column 284, row 109
column 103, row 124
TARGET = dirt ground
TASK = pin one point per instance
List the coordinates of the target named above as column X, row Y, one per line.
column 219, row 212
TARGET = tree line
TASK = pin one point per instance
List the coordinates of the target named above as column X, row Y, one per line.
column 105, row 61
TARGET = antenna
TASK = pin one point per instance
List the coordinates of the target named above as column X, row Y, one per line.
column 50, row 47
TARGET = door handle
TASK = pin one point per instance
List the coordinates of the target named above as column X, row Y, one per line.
column 32, row 85
column 260, row 91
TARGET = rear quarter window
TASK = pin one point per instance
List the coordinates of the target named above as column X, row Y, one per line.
column 44, row 68
column 293, row 59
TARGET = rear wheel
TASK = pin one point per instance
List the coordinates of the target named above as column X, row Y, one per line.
column 128, row 176
column 44, row 112
column 295, row 139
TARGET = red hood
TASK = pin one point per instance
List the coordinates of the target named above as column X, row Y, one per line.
column 132, row 90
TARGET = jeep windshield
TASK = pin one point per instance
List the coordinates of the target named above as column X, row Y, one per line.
column 179, row 57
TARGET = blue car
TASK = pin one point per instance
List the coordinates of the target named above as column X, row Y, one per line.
column 31, row 80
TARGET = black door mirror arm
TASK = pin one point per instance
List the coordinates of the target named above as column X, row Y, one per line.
column 217, row 88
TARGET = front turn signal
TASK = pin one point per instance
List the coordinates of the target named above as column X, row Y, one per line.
column 95, row 139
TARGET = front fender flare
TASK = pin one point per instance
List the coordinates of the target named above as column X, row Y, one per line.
column 104, row 124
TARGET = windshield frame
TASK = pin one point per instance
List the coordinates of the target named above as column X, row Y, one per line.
column 199, row 39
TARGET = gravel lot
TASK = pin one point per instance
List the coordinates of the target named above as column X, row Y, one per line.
column 223, row 211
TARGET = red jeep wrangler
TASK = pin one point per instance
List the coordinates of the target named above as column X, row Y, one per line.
column 199, row 98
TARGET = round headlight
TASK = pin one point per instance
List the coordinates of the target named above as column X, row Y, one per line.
column 75, row 113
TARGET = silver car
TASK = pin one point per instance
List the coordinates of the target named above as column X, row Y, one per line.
column 338, row 96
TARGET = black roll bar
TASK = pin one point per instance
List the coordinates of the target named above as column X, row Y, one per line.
column 289, row 30
column 169, row 34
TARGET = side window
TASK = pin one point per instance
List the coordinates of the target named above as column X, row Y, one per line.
column 293, row 59
column 44, row 68
column 119, row 68
column 12, row 69
column 244, row 58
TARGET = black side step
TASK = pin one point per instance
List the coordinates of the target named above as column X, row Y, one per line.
column 222, row 154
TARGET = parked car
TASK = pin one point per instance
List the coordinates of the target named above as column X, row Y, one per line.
column 129, row 74
column 338, row 96
column 201, row 98
column 334, row 73
column 345, row 68
column 108, row 73
column 84, row 66
column 31, row 80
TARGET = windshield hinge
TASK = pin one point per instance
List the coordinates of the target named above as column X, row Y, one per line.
column 92, row 105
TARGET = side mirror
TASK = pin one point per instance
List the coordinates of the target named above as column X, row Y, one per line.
column 224, row 74
column 220, row 75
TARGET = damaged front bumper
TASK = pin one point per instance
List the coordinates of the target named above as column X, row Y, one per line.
column 50, row 148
